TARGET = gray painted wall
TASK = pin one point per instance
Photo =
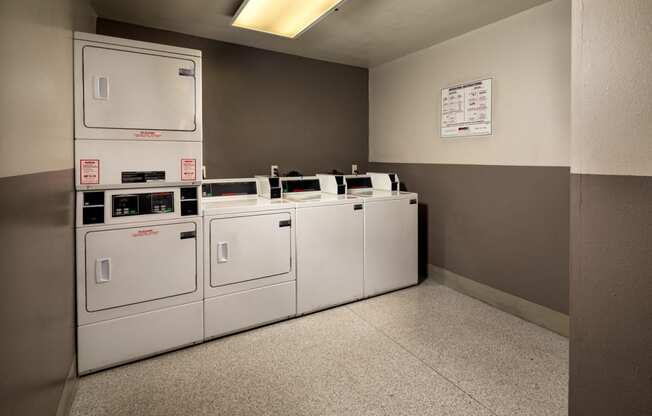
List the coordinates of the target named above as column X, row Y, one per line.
column 611, row 284
column 611, row 219
column 37, row 313
column 262, row 107
column 503, row 226
column 37, row 306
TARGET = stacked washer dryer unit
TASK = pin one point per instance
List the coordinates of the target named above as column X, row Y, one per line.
column 249, row 261
column 138, row 153
column 390, row 231
column 329, row 234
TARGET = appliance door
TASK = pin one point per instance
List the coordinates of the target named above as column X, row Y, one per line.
column 249, row 247
column 329, row 256
column 390, row 245
column 137, row 90
column 132, row 265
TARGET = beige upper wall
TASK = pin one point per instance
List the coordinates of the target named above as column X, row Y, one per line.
column 528, row 55
column 612, row 87
column 36, row 110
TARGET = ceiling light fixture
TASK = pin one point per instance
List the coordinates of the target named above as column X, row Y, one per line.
column 287, row 18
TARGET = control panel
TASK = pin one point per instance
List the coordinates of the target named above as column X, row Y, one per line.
column 300, row 185
column 101, row 207
column 358, row 182
column 189, row 201
column 269, row 186
column 275, row 187
column 393, row 179
column 332, row 184
column 93, row 207
column 239, row 188
column 385, row 181
column 142, row 204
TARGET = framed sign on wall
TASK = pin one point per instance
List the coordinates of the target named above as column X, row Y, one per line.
column 466, row 109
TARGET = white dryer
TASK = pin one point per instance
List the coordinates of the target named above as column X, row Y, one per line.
column 139, row 274
column 390, row 232
column 249, row 245
column 138, row 113
column 329, row 231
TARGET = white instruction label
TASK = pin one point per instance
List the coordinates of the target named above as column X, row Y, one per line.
column 188, row 169
column 466, row 109
column 89, row 172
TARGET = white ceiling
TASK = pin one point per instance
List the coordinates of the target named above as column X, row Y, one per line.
column 362, row 33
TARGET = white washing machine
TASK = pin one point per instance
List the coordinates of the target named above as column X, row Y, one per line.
column 139, row 274
column 330, row 236
column 249, row 245
column 390, row 232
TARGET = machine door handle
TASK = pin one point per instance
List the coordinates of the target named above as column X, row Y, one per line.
column 101, row 90
column 102, row 270
column 222, row 252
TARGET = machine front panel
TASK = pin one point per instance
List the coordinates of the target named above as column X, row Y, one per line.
column 390, row 245
column 250, row 247
column 105, row 164
column 139, row 264
column 329, row 256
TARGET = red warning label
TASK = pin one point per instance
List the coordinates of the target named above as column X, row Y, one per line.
column 188, row 169
column 89, row 171
column 144, row 233
column 147, row 134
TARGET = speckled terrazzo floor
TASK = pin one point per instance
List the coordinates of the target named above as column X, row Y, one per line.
column 426, row 350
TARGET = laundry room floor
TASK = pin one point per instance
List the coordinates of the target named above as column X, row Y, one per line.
column 426, row 350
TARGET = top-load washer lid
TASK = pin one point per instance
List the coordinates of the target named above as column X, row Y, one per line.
column 381, row 194
column 306, row 191
column 225, row 196
column 316, row 199
column 251, row 204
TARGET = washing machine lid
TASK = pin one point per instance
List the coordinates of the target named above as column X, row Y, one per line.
column 245, row 205
column 319, row 199
column 380, row 194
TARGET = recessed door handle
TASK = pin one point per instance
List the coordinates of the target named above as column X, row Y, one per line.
column 222, row 252
column 102, row 270
column 101, row 90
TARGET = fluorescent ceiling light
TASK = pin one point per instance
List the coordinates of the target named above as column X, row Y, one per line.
column 287, row 18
